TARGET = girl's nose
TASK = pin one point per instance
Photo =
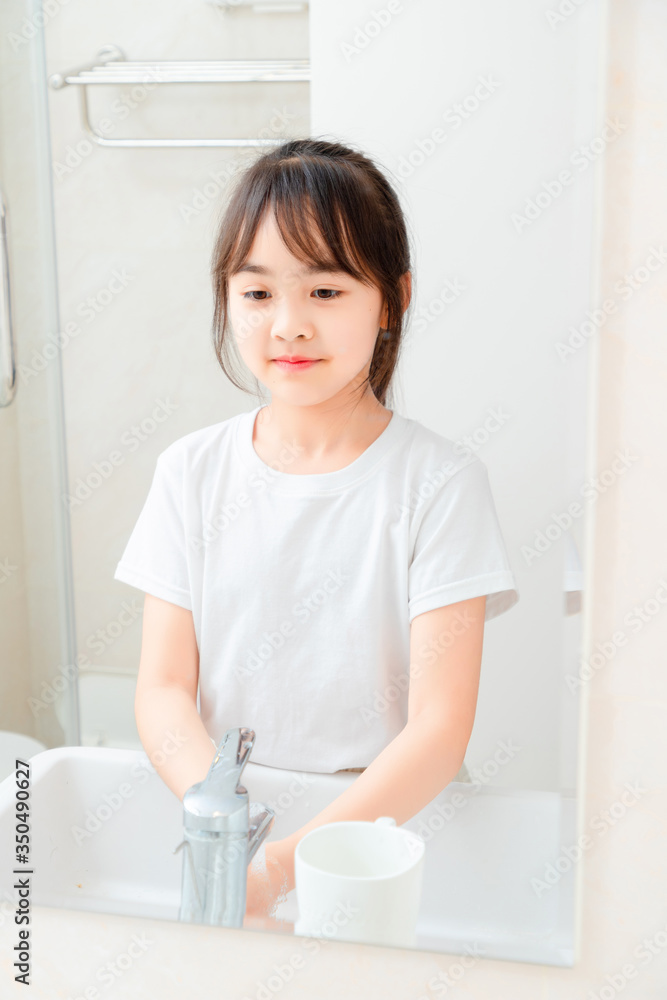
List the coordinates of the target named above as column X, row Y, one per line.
column 290, row 321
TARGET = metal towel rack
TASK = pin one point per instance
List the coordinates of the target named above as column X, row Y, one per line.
column 111, row 67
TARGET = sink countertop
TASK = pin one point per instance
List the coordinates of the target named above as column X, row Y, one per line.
column 78, row 955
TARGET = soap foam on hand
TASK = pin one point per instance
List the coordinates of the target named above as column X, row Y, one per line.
column 258, row 863
column 267, row 884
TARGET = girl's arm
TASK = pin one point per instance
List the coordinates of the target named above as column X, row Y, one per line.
column 445, row 662
column 165, row 704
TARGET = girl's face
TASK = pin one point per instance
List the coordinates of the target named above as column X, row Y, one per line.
column 278, row 308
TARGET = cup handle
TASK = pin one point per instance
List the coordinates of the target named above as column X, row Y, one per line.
column 385, row 821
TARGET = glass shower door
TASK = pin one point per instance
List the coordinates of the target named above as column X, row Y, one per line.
column 38, row 670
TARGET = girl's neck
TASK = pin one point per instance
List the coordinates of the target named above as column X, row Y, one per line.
column 304, row 440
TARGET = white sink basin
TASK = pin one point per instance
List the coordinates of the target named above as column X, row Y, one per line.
column 104, row 827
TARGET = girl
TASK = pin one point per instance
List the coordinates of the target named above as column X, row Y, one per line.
column 320, row 568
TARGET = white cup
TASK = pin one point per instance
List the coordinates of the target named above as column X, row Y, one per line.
column 360, row 881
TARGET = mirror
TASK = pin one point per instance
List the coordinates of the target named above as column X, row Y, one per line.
column 492, row 135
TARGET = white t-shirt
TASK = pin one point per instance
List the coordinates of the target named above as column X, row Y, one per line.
column 302, row 587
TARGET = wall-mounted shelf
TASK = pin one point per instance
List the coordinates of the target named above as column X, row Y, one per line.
column 111, row 67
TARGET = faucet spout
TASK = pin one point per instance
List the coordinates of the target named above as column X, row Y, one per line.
column 222, row 831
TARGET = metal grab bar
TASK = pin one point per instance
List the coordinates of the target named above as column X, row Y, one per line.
column 7, row 366
column 112, row 68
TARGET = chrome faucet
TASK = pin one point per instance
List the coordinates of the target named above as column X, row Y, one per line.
column 223, row 831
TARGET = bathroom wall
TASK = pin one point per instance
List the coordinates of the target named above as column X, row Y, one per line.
column 35, row 623
column 135, row 229
column 475, row 120
column 15, row 686
column 14, row 681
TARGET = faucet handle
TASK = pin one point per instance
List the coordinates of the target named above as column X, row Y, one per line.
column 220, row 802
column 234, row 749
column 261, row 821
column 225, row 771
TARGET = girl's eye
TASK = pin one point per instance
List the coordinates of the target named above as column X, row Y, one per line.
column 332, row 294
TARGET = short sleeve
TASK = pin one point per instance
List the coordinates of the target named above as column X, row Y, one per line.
column 459, row 551
column 155, row 557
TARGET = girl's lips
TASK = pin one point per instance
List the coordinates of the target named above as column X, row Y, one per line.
column 295, row 366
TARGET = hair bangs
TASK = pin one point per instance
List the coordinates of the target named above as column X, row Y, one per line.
column 311, row 219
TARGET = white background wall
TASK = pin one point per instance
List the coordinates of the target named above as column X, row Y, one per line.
column 398, row 79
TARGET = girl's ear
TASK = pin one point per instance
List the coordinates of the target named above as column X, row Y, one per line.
column 406, row 282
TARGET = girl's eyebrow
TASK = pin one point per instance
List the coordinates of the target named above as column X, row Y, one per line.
column 310, row 269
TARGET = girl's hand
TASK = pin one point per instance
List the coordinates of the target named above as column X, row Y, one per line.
column 269, row 881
